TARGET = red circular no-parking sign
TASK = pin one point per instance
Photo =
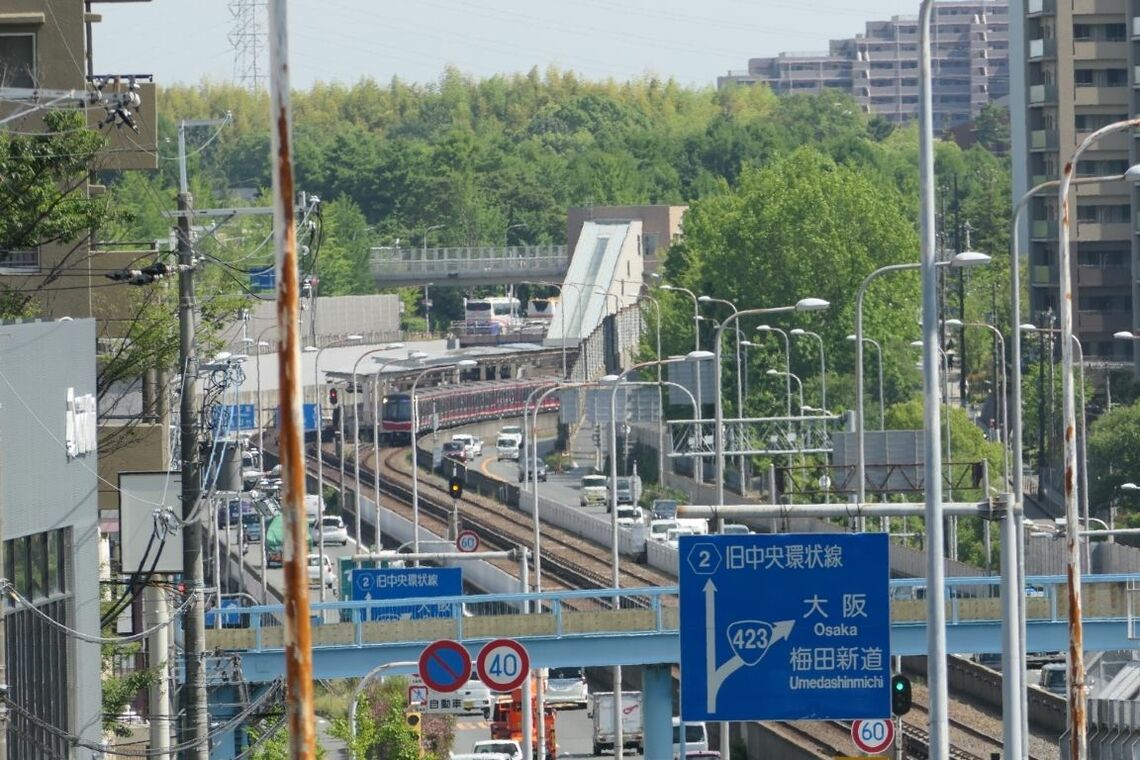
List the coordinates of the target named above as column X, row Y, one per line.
column 445, row 665
column 873, row 736
column 503, row 664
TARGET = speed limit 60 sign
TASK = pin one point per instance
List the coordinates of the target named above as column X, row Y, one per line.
column 503, row 664
column 873, row 736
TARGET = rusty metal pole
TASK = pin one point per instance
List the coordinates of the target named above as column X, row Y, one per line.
column 1077, row 720
column 298, row 643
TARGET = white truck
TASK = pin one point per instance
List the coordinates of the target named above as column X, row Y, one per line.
column 632, row 723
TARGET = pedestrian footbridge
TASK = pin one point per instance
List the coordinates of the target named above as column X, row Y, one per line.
column 469, row 265
column 587, row 628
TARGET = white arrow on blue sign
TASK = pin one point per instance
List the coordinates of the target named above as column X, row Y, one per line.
column 785, row 627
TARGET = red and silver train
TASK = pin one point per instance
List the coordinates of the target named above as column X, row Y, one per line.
column 454, row 405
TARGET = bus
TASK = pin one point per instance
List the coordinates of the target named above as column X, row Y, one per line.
column 491, row 316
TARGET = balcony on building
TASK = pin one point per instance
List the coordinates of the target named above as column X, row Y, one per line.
column 1095, row 7
column 1042, row 48
column 1041, row 94
column 1098, row 231
column 1097, row 96
column 1043, row 139
column 1038, row 7
column 1043, row 229
column 1090, row 276
column 1116, row 143
column 1106, row 322
column 1043, row 276
column 1100, row 50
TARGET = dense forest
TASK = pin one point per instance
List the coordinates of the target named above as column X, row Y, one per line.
column 791, row 192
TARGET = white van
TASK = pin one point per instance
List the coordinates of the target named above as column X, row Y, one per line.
column 696, row 738
column 312, row 507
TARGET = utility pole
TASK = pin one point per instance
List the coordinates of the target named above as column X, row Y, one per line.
column 193, row 696
column 961, row 298
column 158, row 651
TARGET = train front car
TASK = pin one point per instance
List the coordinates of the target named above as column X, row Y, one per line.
column 396, row 419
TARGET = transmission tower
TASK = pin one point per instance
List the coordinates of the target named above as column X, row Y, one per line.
column 248, row 37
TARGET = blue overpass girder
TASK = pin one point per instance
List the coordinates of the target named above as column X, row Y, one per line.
column 648, row 635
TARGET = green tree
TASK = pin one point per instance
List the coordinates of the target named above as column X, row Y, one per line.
column 801, row 226
column 1114, row 458
column 44, row 200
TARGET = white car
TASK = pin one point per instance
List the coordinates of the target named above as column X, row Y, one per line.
column 315, row 571
column 673, row 535
column 333, row 530
column 473, row 445
column 567, row 687
column 628, row 516
column 658, row 529
column 505, row 747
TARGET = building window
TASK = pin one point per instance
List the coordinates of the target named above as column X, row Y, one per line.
column 1116, row 77
column 19, row 260
column 1083, row 77
column 17, row 60
column 1082, row 32
column 1115, row 32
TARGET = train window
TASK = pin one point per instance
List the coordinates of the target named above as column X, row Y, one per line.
column 397, row 408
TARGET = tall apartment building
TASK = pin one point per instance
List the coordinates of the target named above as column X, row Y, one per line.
column 879, row 68
column 1080, row 72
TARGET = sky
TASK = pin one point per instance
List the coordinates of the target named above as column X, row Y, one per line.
column 344, row 41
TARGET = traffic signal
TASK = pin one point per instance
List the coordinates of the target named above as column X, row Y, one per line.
column 455, row 487
column 333, row 397
column 900, row 695
column 413, row 721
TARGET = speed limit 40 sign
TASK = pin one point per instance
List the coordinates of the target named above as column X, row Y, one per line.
column 503, row 664
column 873, row 736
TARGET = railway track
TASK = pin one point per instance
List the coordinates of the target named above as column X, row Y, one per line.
column 571, row 562
column 568, row 561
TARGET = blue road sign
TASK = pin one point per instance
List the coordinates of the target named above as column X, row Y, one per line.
column 785, row 627
column 265, row 279
column 240, row 417
column 406, row 583
column 308, row 413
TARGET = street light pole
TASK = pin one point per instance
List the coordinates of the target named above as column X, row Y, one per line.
column 962, row 259
column 1003, row 389
column 799, row 384
column 787, row 363
column 356, row 434
column 1078, row 739
column 320, row 448
column 463, row 363
column 935, row 570
column 739, row 380
column 1078, row 349
column 804, row 304
column 797, row 331
column 700, row 466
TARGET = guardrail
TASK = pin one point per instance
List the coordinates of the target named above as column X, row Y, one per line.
column 642, row 610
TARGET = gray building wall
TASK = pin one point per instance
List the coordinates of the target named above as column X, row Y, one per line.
column 43, row 489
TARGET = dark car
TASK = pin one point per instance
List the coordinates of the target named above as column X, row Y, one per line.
column 528, row 473
column 240, row 512
column 455, row 450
